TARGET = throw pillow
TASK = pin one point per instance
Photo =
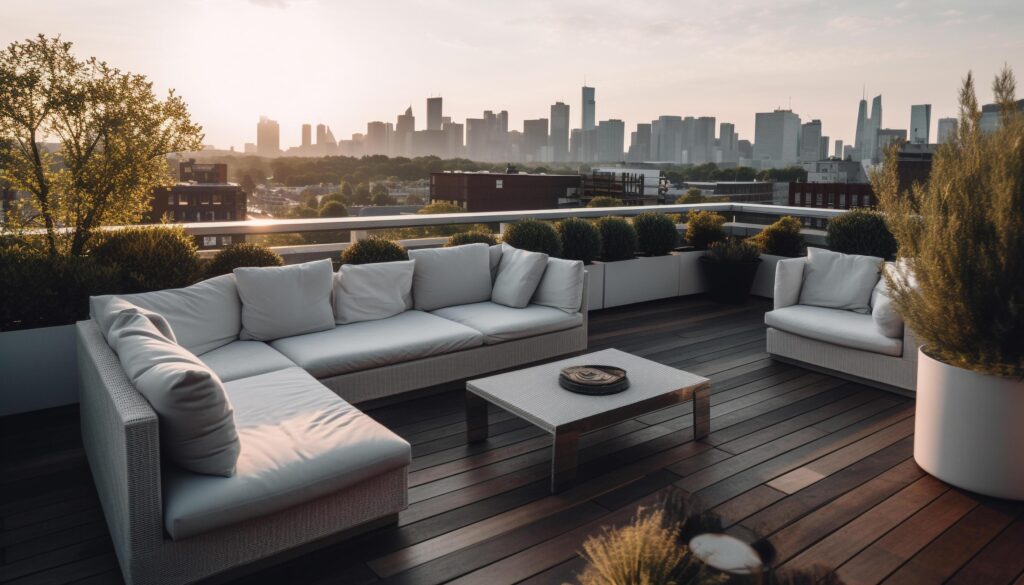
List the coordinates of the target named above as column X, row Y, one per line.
column 561, row 286
column 445, row 277
column 106, row 309
column 884, row 314
column 282, row 301
column 519, row 273
column 839, row 281
column 366, row 292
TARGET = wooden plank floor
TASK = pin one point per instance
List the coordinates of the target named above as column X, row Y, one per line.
column 821, row 467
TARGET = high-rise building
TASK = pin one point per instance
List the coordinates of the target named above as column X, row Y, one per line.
column 454, row 141
column 839, row 149
column 559, row 132
column 698, row 139
column 403, row 133
column 307, row 140
column 947, row 127
column 268, row 137
column 667, row 139
column 588, row 111
column 376, row 141
column 434, row 114
column 873, row 127
column 861, row 133
column 823, row 150
column 887, row 136
column 992, row 116
column 810, row 141
column 249, row 148
column 920, row 123
column 610, row 139
column 727, row 142
column 776, row 138
column 640, row 143
column 535, row 138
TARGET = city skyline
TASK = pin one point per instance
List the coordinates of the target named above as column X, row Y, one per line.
column 306, row 61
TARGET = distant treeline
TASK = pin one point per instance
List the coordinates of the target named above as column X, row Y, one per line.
column 296, row 172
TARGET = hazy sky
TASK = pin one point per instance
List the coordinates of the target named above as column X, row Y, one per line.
column 345, row 63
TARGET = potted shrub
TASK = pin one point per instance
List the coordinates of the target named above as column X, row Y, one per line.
column 474, row 237
column 150, row 257
column 861, row 231
column 703, row 228
column 534, row 236
column 242, row 254
column 960, row 289
column 729, row 267
column 631, row 279
column 581, row 240
column 372, row 250
column 779, row 240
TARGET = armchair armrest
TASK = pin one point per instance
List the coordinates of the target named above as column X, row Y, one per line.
column 789, row 277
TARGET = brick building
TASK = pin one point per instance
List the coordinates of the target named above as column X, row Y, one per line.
column 202, row 193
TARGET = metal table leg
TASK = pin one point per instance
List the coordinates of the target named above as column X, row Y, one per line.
column 701, row 412
column 476, row 418
column 563, row 460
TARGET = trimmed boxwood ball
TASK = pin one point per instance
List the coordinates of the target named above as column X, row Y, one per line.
column 704, row 228
column 781, row 238
column 373, row 249
column 533, row 236
column 618, row 239
column 605, row 201
column 244, row 254
column 656, row 233
column 470, row 238
column 861, row 231
column 150, row 258
column 581, row 239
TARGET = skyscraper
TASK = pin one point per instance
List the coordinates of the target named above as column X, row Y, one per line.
column 307, row 139
column 588, row 111
column 727, row 142
column 667, row 139
column 823, row 151
column 810, row 141
column 611, row 138
column 434, row 114
column 862, row 123
column 403, row 133
column 839, row 149
column 947, row 127
column 920, row 123
column 640, row 143
column 268, row 137
column 874, row 125
column 776, row 138
column 535, row 138
column 376, row 138
column 560, row 132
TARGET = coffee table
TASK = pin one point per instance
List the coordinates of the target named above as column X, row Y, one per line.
column 534, row 395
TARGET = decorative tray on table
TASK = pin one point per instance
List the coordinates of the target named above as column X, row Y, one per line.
column 594, row 380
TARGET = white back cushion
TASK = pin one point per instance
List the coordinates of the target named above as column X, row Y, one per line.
column 197, row 427
column 519, row 273
column 108, row 309
column 839, row 281
column 365, row 292
column 496, row 251
column 282, row 301
column 204, row 316
column 561, row 286
column 887, row 320
column 446, row 277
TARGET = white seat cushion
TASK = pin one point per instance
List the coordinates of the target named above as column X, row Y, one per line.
column 372, row 344
column 241, row 359
column 499, row 323
column 845, row 328
column 300, row 441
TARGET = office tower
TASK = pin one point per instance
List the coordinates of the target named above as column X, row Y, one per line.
column 727, row 142
column 839, row 149
column 560, row 132
column 306, row 136
column 810, row 141
column 667, row 139
column 376, row 141
column 874, row 126
column 403, row 133
column 698, row 139
column 249, row 148
column 640, row 143
column 920, row 123
column 476, row 138
column 823, row 150
column 862, row 123
column 887, row 136
column 992, row 116
column 946, row 130
column 454, row 138
column 588, row 112
column 575, row 144
column 849, row 151
column 535, row 138
column 776, row 137
column 321, row 135
column 434, row 115
column 268, row 137
column 610, row 139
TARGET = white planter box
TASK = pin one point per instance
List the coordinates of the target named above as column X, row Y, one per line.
column 969, row 428
column 691, row 277
column 764, row 281
column 640, row 279
column 39, row 369
column 595, row 285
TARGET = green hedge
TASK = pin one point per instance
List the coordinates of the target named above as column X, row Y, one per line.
column 150, row 258
column 372, row 250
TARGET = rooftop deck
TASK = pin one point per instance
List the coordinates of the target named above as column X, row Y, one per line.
column 820, row 466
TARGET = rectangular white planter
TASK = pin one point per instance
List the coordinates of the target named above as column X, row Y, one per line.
column 691, row 277
column 640, row 279
column 39, row 369
column 595, row 285
column 764, row 281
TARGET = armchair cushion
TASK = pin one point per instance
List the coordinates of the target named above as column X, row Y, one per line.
column 839, row 281
column 451, row 276
column 835, row 326
column 789, row 277
column 281, row 301
column 365, row 292
column 561, row 286
column 519, row 273
column 888, row 321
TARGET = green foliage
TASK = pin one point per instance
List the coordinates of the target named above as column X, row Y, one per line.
column 581, row 240
column 656, row 233
column 693, row 195
column 380, row 195
column 618, row 239
column 534, row 236
column 604, row 201
column 336, row 196
column 781, row 238
column 114, row 134
column 311, row 201
column 704, row 228
column 362, row 195
column 304, row 212
column 962, row 239
column 793, row 174
column 861, row 231
column 40, row 290
column 373, row 249
column 733, row 251
column 150, row 257
column 471, row 238
column 333, row 209
column 242, row 254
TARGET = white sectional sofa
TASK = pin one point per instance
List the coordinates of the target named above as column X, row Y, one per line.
column 271, row 363
column 832, row 313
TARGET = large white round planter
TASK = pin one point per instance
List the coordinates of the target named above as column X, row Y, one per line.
column 969, row 428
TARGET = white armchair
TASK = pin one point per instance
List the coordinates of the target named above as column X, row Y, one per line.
column 842, row 342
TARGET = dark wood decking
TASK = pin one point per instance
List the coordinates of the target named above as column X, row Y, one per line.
column 820, row 466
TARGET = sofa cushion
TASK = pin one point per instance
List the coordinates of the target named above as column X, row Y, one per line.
column 845, row 328
column 300, row 441
column 499, row 323
column 839, row 281
column 109, row 308
column 197, row 429
column 451, row 276
column 519, row 273
column 281, row 301
column 371, row 344
column 241, row 359
column 561, row 286
column 888, row 321
column 364, row 292
column 203, row 316
column 495, row 258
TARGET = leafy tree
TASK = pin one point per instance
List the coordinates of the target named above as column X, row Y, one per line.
column 311, row 201
column 693, row 195
column 362, row 195
column 114, row 134
column 248, row 184
column 333, row 197
column 380, row 195
column 346, row 190
column 604, row 201
column 334, row 209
